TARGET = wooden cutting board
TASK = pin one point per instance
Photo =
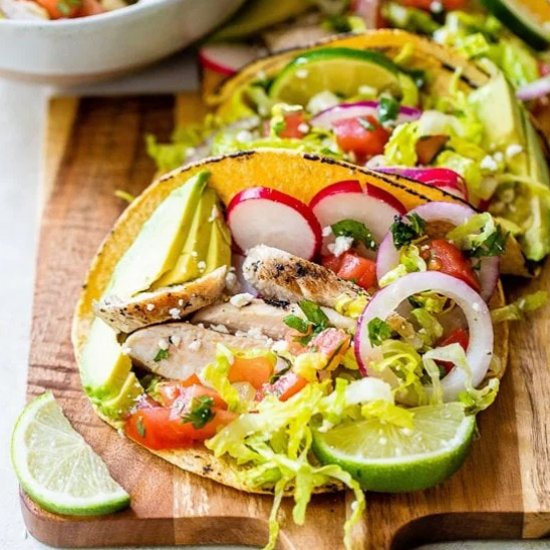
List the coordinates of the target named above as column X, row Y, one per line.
column 96, row 146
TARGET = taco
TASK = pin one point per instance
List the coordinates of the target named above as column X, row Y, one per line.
column 509, row 34
column 397, row 103
column 330, row 272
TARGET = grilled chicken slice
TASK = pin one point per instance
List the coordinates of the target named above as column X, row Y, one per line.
column 165, row 304
column 267, row 318
column 188, row 348
column 279, row 275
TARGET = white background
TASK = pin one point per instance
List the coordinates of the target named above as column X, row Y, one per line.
column 22, row 118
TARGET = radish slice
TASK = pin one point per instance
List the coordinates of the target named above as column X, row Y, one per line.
column 476, row 312
column 259, row 215
column 455, row 214
column 347, row 200
column 442, row 178
column 326, row 119
column 226, row 59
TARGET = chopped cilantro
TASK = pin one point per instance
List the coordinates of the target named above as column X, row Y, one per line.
column 161, row 354
column 315, row 319
column 404, row 233
column 388, row 109
column 278, row 126
column 378, row 331
column 297, row 323
column 140, row 427
column 339, row 23
column 200, row 411
column 357, row 230
column 494, row 244
column 314, row 314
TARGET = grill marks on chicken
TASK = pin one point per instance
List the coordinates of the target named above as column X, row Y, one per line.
column 282, row 276
column 165, row 304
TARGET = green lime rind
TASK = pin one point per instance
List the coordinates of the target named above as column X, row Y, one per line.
column 515, row 17
column 396, row 474
column 57, row 468
column 323, row 69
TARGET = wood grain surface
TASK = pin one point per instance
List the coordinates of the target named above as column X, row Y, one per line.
column 96, row 146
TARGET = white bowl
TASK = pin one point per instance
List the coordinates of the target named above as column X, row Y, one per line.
column 73, row 51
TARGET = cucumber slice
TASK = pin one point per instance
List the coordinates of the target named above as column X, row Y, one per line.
column 321, row 70
column 529, row 19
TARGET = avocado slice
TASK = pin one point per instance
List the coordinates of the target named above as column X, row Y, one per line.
column 117, row 407
column 219, row 250
column 530, row 207
column 189, row 265
column 257, row 15
column 158, row 245
column 103, row 367
column 105, row 370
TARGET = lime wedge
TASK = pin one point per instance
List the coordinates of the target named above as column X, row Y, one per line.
column 341, row 71
column 57, row 468
column 387, row 458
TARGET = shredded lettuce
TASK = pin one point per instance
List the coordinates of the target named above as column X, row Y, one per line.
column 401, row 147
column 409, row 19
column 402, row 363
column 474, row 231
column 517, row 310
column 273, row 445
column 477, row 400
column 168, row 156
column 480, row 36
column 410, row 261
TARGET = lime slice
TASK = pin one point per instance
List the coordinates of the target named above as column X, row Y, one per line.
column 341, row 71
column 57, row 468
column 387, row 458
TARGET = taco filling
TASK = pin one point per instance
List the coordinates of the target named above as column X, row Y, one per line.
column 343, row 356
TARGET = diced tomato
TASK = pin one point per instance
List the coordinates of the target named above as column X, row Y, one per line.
column 448, row 5
column 255, row 370
column 90, row 7
column 333, row 343
column 355, row 136
column 358, row 269
column 295, row 126
column 332, row 262
column 458, row 336
column 284, row 388
column 191, row 381
column 161, row 428
column 443, row 256
column 175, row 390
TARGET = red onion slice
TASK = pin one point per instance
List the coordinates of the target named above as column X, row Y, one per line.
column 534, row 90
column 442, row 178
column 455, row 214
column 325, row 119
column 476, row 312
